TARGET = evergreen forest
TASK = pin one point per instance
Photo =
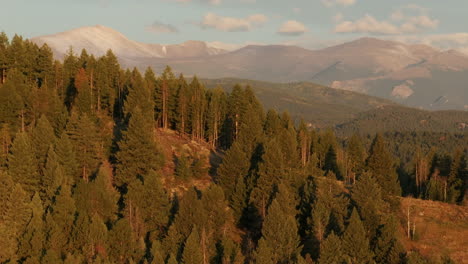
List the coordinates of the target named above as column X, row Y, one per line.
column 84, row 175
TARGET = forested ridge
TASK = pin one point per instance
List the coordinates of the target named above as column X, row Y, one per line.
column 82, row 179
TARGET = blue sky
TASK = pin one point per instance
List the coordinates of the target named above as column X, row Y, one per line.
column 307, row 23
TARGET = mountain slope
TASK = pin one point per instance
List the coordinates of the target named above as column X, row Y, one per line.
column 349, row 112
column 319, row 105
column 98, row 39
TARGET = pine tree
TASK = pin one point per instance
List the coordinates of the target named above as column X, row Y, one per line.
column 272, row 123
column 172, row 260
column 157, row 253
column 146, row 197
column 288, row 142
column 304, row 142
column 284, row 241
column 217, row 219
column 11, row 105
column 355, row 242
column 321, row 147
column 86, row 142
column 61, row 220
column 183, row 169
column 98, row 236
column 139, row 96
column 238, row 199
column 138, row 153
column 42, row 138
column 53, row 176
column 197, row 109
column 381, row 164
column 32, row 241
column 44, row 66
column 331, row 164
column 5, row 142
column 164, row 92
column 356, row 157
column 264, row 254
column 234, row 168
column 236, row 108
column 458, row 175
column 367, row 198
column 182, row 105
column 98, row 197
column 331, row 251
column 66, row 155
column 84, row 97
column 22, row 164
column 4, row 43
column 387, row 248
column 270, row 172
column 123, row 247
column 14, row 216
column 216, row 115
column 192, row 252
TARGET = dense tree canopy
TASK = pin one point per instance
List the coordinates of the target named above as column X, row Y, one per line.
column 90, row 173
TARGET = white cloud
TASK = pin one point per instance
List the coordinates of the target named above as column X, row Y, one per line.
column 292, row 28
column 367, row 24
column 397, row 15
column 330, row 3
column 457, row 41
column 403, row 24
column 232, row 24
column 338, row 17
column 213, row 2
column 159, row 27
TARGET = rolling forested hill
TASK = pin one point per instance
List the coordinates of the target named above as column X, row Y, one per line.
column 349, row 111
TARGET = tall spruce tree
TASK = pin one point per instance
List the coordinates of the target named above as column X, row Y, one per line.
column 86, row 141
column 32, row 241
column 23, row 165
column 66, row 155
column 138, row 152
column 42, row 138
column 192, row 251
column 367, row 198
column 84, row 97
column 284, row 241
column 11, row 105
column 355, row 241
column 146, row 197
column 234, row 168
column 387, row 248
column 356, row 157
column 61, row 219
column 331, row 251
column 381, row 164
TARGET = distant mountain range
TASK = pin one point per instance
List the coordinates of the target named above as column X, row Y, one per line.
column 415, row 75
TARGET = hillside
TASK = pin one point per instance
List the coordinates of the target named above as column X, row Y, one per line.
column 349, row 111
column 321, row 106
column 174, row 146
column 404, row 119
column 441, row 229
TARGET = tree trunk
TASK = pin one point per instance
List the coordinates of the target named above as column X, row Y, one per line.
column 408, row 223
